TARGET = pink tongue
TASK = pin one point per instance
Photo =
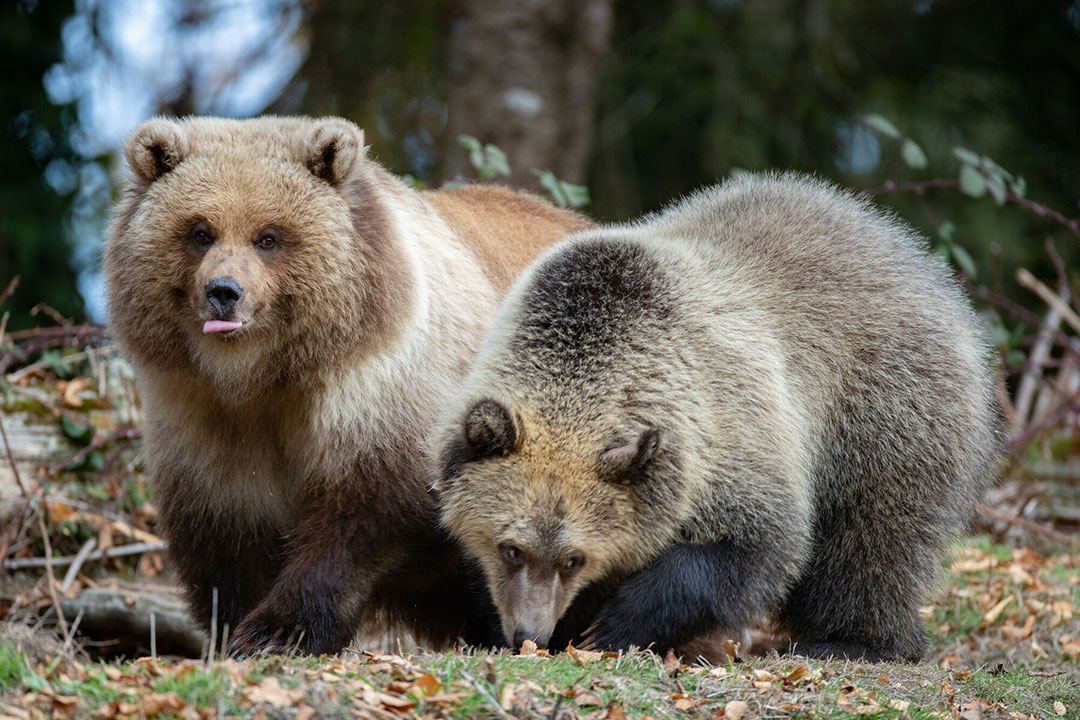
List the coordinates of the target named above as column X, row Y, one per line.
column 213, row 326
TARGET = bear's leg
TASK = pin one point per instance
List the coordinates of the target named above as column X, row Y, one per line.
column 350, row 538
column 691, row 589
column 440, row 597
column 239, row 560
column 859, row 597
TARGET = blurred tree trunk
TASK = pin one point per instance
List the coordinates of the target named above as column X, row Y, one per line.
column 522, row 75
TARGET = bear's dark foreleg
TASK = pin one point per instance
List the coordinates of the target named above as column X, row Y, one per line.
column 688, row 590
column 334, row 558
column 238, row 560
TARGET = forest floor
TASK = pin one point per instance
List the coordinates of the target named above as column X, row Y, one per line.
column 1006, row 644
column 1004, row 625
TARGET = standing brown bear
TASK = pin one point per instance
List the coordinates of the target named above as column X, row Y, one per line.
column 296, row 316
column 768, row 400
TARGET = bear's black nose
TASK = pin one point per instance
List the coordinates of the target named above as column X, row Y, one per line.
column 223, row 294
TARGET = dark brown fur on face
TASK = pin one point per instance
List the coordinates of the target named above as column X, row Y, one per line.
column 769, row 400
column 296, row 315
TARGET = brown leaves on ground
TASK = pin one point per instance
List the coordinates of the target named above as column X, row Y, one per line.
column 1027, row 607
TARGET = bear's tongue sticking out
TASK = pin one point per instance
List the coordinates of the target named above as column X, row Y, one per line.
column 213, row 326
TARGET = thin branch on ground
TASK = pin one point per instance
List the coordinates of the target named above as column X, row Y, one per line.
column 1029, row 525
column 113, row 552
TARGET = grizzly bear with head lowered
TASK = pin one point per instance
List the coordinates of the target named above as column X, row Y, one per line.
column 768, row 400
column 296, row 316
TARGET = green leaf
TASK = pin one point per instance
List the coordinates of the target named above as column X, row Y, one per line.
column 1015, row 358
column 913, row 155
column 963, row 259
column 468, row 142
column 77, row 432
column 1018, row 186
column 496, row 160
column 996, row 185
column 97, row 492
column 971, row 181
column 576, row 195
column 946, row 230
column 965, row 156
column 881, row 125
column 553, row 186
column 942, row 251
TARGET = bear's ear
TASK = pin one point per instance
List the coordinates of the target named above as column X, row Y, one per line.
column 333, row 150
column 489, row 430
column 624, row 462
column 155, row 148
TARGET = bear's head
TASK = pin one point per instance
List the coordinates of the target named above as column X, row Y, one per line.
column 547, row 514
column 252, row 250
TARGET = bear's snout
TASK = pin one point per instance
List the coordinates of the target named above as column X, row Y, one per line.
column 223, row 293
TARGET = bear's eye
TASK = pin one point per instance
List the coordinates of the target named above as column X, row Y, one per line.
column 267, row 241
column 573, row 564
column 511, row 554
column 201, row 235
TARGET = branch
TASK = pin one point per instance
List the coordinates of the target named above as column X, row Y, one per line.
column 1031, row 525
column 921, row 186
column 76, row 459
column 119, row 551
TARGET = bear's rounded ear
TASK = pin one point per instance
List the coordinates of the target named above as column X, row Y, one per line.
column 489, row 430
column 624, row 462
column 333, row 149
column 155, row 148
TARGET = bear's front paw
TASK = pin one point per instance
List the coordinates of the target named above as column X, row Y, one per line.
column 264, row 631
column 617, row 627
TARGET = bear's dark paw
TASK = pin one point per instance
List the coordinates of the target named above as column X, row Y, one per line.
column 617, row 628
column 263, row 631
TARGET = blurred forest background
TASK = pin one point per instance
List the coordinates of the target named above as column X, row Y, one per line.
column 639, row 100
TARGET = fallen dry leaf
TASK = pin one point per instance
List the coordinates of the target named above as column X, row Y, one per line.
column 735, row 709
column 583, row 657
column 995, row 612
column 528, row 647
column 160, row 703
column 269, row 691
column 1059, row 707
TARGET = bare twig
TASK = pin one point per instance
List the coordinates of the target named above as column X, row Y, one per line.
column 488, row 697
column 76, row 565
column 127, row 435
column 1040, row 351
column 74, row 357
column 118, row 551
column 50, row 579
column 1048, row 296
column 14, row 283
column 1030, row 525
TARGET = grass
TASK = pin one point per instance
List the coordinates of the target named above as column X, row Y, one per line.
column 1011, row 663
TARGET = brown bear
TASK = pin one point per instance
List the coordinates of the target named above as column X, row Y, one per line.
column 296, row 316
column 769, row 400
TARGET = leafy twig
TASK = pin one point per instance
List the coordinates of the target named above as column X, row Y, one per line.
column 76, row 459
column 920, row 186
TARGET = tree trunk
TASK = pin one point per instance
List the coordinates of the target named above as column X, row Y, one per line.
column 522, row 75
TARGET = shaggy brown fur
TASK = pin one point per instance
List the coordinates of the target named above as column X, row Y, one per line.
column 285, row 452
column 768, row 400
